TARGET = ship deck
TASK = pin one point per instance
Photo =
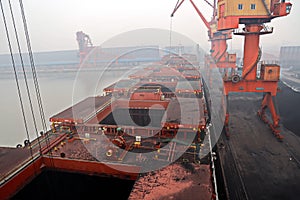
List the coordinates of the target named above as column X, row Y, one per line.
column 185, row 111
column 81, row 142
column 11, row 158
column 79, row 154
column 14, row 159
column 83, row 110
column 20, row 165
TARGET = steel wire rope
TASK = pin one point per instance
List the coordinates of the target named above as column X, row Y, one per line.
column 171, row 28
column 170, row 36
column 16, row 79
column 37, row 90
column 33, row 67
column 24, row 73
column 36, row 84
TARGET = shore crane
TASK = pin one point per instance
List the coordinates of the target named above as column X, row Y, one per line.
column 84, row 43
column 219, row 57
column 253, row 15
column 227, row 16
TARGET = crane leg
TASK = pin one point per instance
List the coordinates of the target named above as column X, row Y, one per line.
column 268, row 103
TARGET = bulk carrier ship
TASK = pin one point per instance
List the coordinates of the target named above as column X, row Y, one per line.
column 149, row 136
column 153, row 122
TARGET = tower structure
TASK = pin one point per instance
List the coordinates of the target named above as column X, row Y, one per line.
column 253, row 15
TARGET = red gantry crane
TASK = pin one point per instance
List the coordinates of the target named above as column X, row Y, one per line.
column 219, row 56
column 227, row 16
column 254, row 14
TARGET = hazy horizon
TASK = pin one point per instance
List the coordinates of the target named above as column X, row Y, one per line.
column 53, row 24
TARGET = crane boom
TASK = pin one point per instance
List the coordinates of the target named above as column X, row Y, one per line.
column 201, row 16
column 206, row 23
column 176, row 7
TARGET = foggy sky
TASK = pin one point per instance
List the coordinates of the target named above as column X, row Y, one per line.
column 53, row 23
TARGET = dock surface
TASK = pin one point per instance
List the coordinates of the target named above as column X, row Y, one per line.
column 256, row 165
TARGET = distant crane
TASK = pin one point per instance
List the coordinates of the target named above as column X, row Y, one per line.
column 84, row 43
column 218, row 50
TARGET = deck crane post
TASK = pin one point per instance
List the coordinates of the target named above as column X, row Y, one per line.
column 254, row 14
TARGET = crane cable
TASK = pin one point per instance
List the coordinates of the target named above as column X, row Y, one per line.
column 16, row 79
column 37, row 91
column 171, row 28
column 171, row 24
column 36, row 84
column 42, row 115
column 24, row 73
